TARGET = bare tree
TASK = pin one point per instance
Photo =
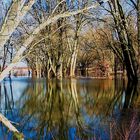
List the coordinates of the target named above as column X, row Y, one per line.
column 52, row 18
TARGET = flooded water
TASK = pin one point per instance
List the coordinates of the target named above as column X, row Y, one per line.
column 76, row 109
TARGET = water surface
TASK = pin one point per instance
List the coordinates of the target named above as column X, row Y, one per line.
column 76, row 109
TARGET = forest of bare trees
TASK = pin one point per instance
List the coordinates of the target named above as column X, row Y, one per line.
column 61, row 38
column 67, row 39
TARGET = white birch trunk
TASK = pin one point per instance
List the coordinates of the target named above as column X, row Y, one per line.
column 38, row 68
column 73, row 60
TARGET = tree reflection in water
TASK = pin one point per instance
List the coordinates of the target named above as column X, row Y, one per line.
column 74, row 109
column 127, row 126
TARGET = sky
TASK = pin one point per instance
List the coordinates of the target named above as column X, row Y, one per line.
column 21, row 64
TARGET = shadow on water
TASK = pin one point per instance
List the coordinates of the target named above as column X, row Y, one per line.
column 73, row 109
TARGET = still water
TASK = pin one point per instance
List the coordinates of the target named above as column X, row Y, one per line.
column 76, row 109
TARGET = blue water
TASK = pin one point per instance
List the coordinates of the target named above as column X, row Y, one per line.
column 77, row 109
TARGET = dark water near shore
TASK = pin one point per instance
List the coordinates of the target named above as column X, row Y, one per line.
column 76, row 109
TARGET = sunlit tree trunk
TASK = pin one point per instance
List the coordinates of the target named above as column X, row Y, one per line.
column 75, row 47
column 38, row 68
column 73, row 60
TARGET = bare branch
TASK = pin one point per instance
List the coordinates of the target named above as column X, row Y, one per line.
column 14, row 15
column 134, row 4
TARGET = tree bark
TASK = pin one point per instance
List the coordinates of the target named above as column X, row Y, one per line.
column 125, row 39
column 73, row 59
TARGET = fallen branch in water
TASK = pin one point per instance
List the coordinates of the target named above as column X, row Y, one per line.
column 8, row 124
